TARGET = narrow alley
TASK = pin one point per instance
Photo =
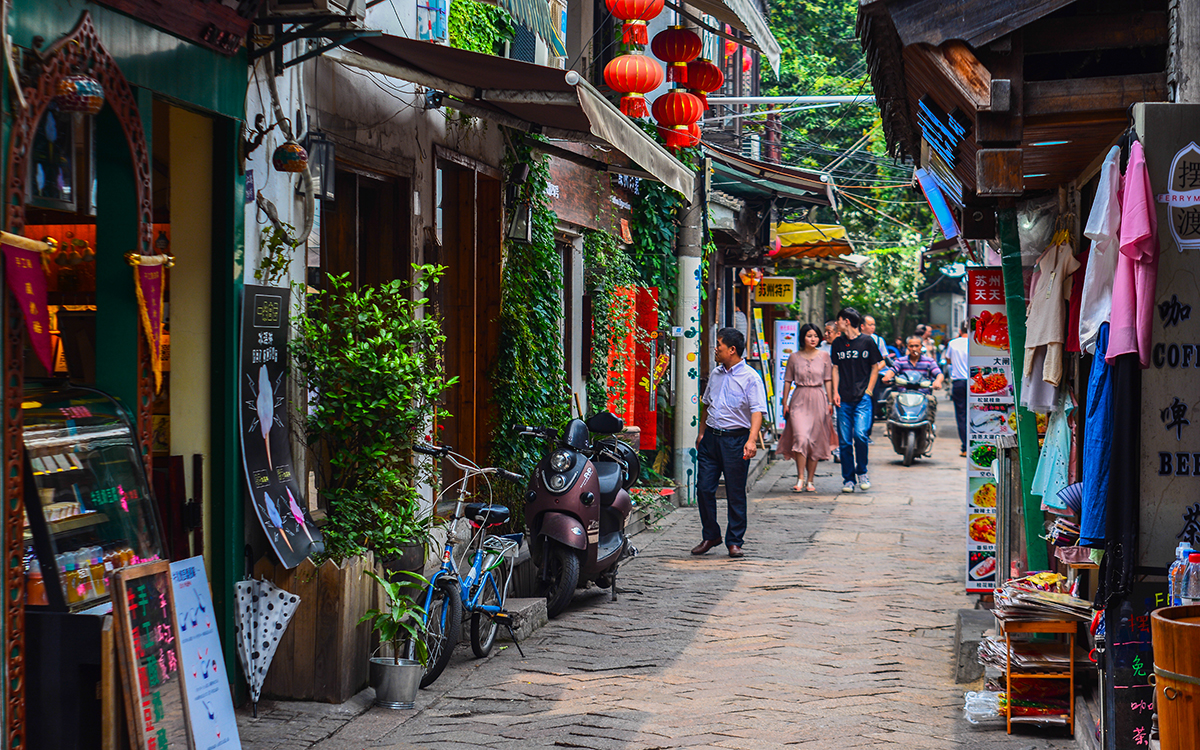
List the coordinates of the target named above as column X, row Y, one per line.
column 835, row 631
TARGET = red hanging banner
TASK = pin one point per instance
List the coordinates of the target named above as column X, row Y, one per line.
column 150, row 304
column 27, row 282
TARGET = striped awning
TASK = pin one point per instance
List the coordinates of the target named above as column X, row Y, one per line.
column 535, row 16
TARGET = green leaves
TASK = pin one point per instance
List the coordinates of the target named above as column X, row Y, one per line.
column 371, row 363
column 479, row 27
column 403, row 619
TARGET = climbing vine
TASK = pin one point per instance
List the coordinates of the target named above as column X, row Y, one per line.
column 479, row 27
column 529, row 378
column 608, row 267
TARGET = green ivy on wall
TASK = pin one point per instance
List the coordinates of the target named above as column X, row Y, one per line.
column 479, row 27
column 529, row 378
column 607, row 268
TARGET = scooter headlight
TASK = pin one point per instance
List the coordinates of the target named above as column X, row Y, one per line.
column 557, row 482
column 562, row 461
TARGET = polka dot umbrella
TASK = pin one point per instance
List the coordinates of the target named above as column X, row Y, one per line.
column 264, row 611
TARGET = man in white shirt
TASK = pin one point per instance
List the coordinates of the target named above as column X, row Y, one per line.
column 956, row 355
column 731, row 416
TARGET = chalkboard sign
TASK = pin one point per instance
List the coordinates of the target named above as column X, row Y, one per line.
column 148, row 648
column 1129, row 661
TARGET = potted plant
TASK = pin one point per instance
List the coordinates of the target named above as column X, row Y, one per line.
column 396, row 679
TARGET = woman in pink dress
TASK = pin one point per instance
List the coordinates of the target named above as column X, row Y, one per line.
column 805, row 438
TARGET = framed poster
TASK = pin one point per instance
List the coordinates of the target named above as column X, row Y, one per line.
column 148, row 649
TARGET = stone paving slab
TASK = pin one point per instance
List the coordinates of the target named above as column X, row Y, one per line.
column 835, row 631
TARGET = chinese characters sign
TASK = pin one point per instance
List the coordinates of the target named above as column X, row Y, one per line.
column 787, row 341
column 1130, row 665
column 265, row 432
column 149, row 280
column 775, row 290
column 27, row 282
column 990, row 411
column 144, row 608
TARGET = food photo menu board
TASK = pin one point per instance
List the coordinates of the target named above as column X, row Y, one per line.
column 990, row 414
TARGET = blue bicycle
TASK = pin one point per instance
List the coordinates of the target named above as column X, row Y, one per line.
column 486, row 561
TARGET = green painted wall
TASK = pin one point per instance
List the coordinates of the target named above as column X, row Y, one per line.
column 167, row 65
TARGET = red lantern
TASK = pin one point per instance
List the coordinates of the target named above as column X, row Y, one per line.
column 677, row 47
column 730, row 45
column 692, row 137
column 745, row 61
column 633, row 75
column 635, row 14
column 677, row 111
column 704, row 78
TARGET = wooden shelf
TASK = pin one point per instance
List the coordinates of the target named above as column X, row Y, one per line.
column 1062, row 627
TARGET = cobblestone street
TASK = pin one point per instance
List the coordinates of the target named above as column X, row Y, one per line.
column 835, row 631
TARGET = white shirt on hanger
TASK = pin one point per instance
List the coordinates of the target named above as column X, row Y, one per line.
column 1103, row 229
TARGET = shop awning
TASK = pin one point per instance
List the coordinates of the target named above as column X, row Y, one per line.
column 805, row 240
column 527, row 97
column 753, row 179
column 742, row 15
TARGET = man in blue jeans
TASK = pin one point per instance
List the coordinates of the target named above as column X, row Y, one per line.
column 730, row 418
column 856, row 365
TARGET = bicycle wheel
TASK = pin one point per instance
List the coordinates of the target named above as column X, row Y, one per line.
column 443, row 621
column 484, row 627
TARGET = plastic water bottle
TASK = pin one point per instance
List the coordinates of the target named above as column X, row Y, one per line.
column 1175, row 574
column 1191, row 580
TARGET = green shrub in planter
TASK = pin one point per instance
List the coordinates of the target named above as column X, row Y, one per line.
column 372, row 366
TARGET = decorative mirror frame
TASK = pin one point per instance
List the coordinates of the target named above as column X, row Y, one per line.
column 79, row 51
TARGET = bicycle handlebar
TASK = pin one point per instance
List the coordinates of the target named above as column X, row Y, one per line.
column 510, row 476
column 432, row 450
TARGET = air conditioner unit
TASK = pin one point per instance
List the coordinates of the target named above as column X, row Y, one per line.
column 351, row 9
column 752, row 146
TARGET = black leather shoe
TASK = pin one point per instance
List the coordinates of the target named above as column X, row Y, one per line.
column 705, row 546
column 736, row 551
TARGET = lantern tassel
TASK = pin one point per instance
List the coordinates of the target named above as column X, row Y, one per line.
column 634, row 32
column 678, row 137
column 677, row 72
column 634, row 105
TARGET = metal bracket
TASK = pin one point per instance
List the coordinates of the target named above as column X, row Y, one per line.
column 316, row 30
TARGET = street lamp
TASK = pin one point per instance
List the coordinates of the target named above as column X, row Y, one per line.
column 520, row 228
column 320, row 164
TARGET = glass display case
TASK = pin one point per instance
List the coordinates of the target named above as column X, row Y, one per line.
column 88, row 506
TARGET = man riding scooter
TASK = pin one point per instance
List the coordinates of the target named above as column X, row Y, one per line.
column 915, row 368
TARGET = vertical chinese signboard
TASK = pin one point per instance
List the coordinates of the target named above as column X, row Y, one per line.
column 787, row 341
column 265, row 434
column 990, row 413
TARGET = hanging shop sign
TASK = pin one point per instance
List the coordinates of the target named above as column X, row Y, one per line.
column 206, row 684
column 27, row 283
column 150, row 276
column 265, row 432
column 775, row 290
column 787, row 341
column 990, row 413
column 761, row 353
column 1183, row 197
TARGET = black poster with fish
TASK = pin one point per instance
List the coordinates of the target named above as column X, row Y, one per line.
column 265, row 432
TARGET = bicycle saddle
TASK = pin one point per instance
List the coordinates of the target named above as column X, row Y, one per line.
column 609, row 475
column 487, row 515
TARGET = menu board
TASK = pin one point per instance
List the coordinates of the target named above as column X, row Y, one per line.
column 990, row 413
column 149, row 651
column 1129, row 658
column 265, row 429
column 787, row 341
column 209, row 703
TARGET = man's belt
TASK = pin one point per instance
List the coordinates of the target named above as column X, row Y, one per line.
column 744, row 432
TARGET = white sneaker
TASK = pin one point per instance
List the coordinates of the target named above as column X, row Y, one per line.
column 864, row 482
column 848, row 487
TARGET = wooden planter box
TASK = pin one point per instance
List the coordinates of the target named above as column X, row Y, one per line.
column 323, row 654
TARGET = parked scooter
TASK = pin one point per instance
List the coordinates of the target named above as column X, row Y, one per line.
column 909, row 425
column 576, row 508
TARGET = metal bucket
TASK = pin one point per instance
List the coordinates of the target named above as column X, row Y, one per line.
column 395, row 684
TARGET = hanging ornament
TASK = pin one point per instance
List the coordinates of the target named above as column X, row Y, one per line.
column 635, row 14
column 691, row 139
column 703, row 79
column 745, row 61
column 751, row 276
column 79, row 94
column 633, row 75
column 730, row 45
column 676, row 46
column 676, row 111
column 289, row 156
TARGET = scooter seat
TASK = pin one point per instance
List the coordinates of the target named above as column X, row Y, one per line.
column 487, row 515
column 609, row 475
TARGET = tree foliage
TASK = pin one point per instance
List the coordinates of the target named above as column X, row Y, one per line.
column 479, row 27
column 886, row 218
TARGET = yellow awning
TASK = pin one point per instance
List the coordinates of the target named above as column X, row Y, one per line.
column 805, row 240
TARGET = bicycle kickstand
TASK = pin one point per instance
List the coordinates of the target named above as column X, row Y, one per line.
column 506, row 618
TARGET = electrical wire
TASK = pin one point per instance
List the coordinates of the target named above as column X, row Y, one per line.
column 877, row 211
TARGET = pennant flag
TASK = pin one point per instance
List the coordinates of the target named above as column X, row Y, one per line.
column 27, row 282
column 150, row 304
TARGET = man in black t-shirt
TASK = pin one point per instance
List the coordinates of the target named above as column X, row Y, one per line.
column 856, row 365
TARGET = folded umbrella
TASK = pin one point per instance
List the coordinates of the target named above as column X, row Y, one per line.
column 264, row 611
